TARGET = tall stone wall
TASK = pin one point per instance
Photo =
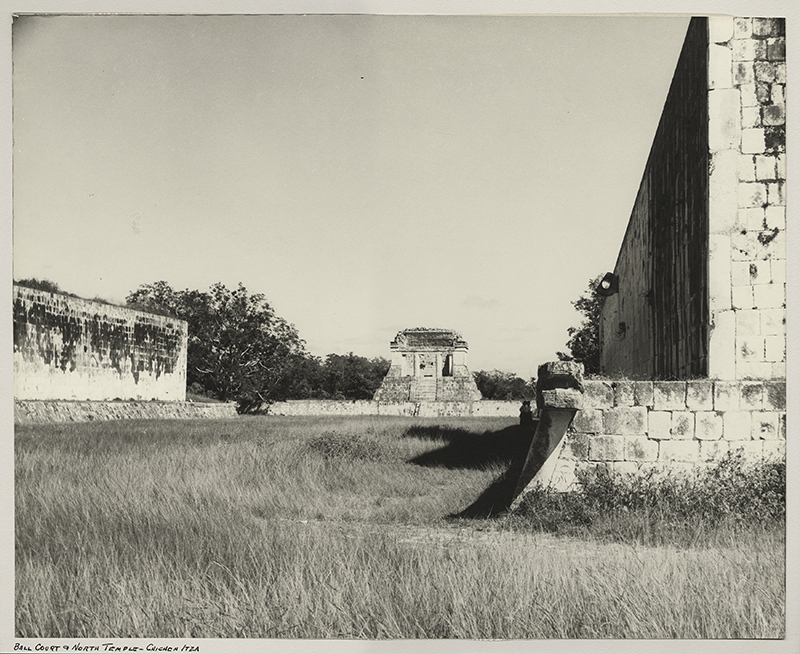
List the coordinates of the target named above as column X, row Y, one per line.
column 656, row 325
column 67, row 348
column 747, row 212
column 702, row 268
column 631, row 427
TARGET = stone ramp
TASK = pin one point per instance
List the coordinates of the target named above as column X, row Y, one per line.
column 27, row 412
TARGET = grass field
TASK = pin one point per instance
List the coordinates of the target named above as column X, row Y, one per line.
column 270, row 527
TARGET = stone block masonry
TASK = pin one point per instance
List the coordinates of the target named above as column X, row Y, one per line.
column 58, row 411
column 673, row 425
column 67, row 348
column 747, row 207
column 702, row 267
column 426, row 409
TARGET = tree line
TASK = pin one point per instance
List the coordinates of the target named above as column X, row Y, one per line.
column 240, row 350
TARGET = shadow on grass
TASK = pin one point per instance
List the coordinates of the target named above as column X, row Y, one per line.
column 465, row 449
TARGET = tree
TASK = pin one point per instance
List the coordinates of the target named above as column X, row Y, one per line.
column 351, row 377
column 41, row 285
column 584, row 341
column 498, row 385
column 238, row 348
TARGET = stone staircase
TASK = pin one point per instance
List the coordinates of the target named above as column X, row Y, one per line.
column 424, row 390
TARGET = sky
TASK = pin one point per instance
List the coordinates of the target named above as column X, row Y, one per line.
column 366, row 174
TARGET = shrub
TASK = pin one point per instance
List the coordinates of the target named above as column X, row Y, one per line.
column 657, row 506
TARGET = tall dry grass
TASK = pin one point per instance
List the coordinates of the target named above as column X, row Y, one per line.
column 320, row 528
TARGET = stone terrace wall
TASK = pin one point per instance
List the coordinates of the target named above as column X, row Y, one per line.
column 55, row 411
column 66, row 348
column 656, row 325
column 747, row 202
column 633, row 426
column 482, row 408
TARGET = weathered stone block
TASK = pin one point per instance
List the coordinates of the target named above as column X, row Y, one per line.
column 722, row 346
column 625, row 420
column 751, row 117
column 775, row 348
column 588, row 421
column 775, row 195
column 720, row 29
column 766, row 425
column 723, row 132
column 719, row 67
column 747, row 168
column 769, row 296
column 641, row 448
column 752, row 219
column 766, row 168
column 775, row 217
column 607, row 448
column 679, row 451
column 708, row 426
column 774, row 450
column 776, row 50
column 742, row 297
column 562, row 398
column 773, row 321
column 643, row 393
column 700, row 395
column 751, row 348
column 713, row 450
column 773, row 114
column 669, row 395
column 782, row 166
column 743, row 73
column 742, row 28
column 660, row 425
column 752, row 395
column 777, row 370
column 623, row 393
column 752, row 143
column 576, row 446
column 719, row 283
column 624, row 468
column 767, row 27
column 597, row 394
column 764, row 71
column 560, row 374
column 754, row 369
column 748, row 323
column 736, row 426
column 775, row 398
column 752, row 194
column 750, row 449
column 778, row 271
column 682, row 425
column 749, row 98
column 725, row 168
column 763, row 92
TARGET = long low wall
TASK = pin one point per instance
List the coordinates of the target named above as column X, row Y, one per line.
column 634, row 426
column 480, row 408
column 52, row 411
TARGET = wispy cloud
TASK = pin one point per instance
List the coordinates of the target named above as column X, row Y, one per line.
column 476, row 302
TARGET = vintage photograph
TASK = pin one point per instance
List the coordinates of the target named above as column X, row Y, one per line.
column 361, row 327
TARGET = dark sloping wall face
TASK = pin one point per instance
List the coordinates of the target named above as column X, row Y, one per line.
column 657, row 325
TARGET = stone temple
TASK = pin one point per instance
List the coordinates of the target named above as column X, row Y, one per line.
column 428, row 365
